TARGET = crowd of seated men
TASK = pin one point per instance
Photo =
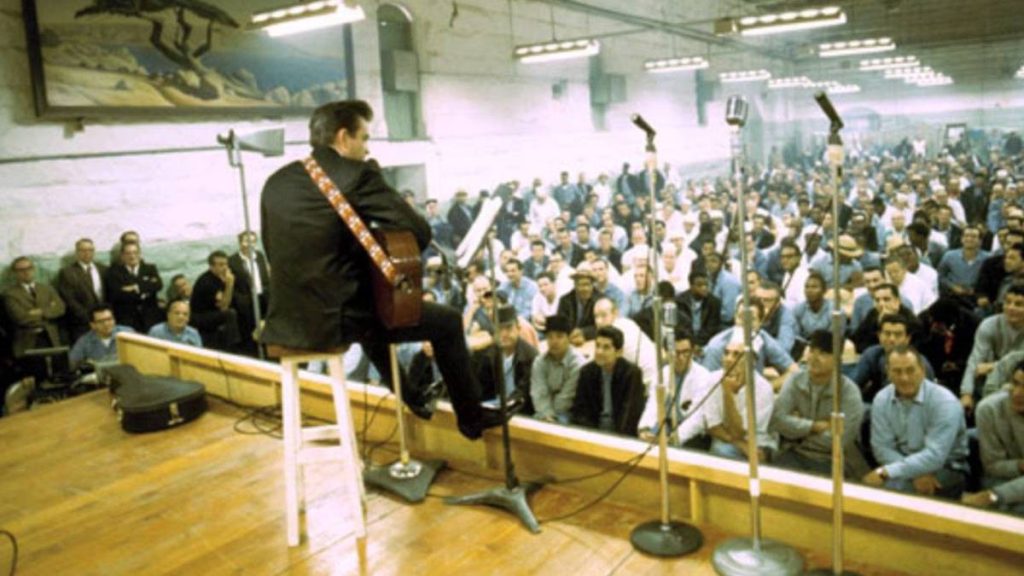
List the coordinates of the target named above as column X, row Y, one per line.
column 90, row 302
column 930, row 296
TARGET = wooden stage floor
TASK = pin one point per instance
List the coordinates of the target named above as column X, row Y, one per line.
column 83, row 497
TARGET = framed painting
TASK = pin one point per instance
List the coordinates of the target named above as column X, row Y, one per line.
column 117, row 58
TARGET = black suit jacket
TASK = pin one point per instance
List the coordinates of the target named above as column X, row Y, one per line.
column 483, row 367
column 710, row 316
column 990, row 278
column 627, row 397
column 75, row 288
column 567, row 306
column 320, row 295
column 243, row 283
column 460, row 222
column 140, row 310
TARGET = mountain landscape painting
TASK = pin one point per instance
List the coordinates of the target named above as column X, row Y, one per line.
column 111, row 57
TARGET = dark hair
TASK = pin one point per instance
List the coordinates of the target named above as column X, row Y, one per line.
column 821, row 340
column 904, row 349
column 887, row 286
column 683, row 332
column 176, row 301
column 1019, row 366
column 894, row 319
column 125, row 245
column 99, row 307
column 919, row 229
column 328, row 119
column 214, row 255
column 666, row 290
column 20, row 259
column 538, row 242
column 126, row 233
column 515, row 262
column 550, row 277
column 1017, row 289
column 697, row 275
column 815, row 275
column 243, row 234
column 612, row 333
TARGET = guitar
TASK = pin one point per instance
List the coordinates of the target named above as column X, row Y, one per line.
column 399, row 306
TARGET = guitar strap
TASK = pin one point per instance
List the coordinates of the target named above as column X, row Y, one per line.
column 348, row 215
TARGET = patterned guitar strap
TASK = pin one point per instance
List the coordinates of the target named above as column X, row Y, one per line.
column 353, row 221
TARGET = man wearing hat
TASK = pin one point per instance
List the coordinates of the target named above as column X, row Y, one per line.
column 610, row 395
column 849, row 266
column 578, row 305
column 555, row 374
column 802, row 413
column 515, row 357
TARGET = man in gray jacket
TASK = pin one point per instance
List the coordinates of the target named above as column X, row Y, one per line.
column 1001, row 435
column 555, row 374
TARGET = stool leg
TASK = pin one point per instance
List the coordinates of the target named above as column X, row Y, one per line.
column 299, row 444
column 292, row 438
column 346, row 435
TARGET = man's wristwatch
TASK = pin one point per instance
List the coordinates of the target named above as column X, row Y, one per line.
column 882, row 473
column 993, row 498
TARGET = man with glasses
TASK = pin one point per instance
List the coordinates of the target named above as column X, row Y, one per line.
column 692, row 382
column 100, row 343
column 33, row 308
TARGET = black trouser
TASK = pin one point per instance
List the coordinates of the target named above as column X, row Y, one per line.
column 442, row 326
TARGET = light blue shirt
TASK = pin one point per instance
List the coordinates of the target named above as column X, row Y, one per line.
column 520, row 298
column 808, row 321
column 771, row 352
column 823, row 264
column 727, row 288
column 188, row 336
column 954, row 270
column 918, row 436
column 90, row 347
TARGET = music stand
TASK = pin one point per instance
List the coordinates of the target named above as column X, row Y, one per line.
column 511, row 496
column 268, row 142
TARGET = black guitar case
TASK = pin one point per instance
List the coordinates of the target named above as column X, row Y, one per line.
column 152, row 403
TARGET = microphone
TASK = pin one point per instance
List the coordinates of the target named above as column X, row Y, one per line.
column 826, row 106
column 736, row 111
column 642, row 124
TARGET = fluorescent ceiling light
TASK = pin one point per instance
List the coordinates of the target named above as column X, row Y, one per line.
column 557, row 50
column 900, row 73
column 937, row 81
column 843, row 89
column 306, row 16
column 833, row 49
column 745, row 76
column 890, row 63
column 785, row 21
column 790, row 82
column 675, row 64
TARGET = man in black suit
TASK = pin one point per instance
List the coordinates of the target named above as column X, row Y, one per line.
column 516, row 361
column 460, row 217
column 212, row 300
column 319, row 295
column 81, row 286
column 241, row 264
column 132, row 288
column 578, row 306
column 699, row 310
column 610, row 394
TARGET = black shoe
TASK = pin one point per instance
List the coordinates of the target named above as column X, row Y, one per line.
column 489, row 418
column 422, row 407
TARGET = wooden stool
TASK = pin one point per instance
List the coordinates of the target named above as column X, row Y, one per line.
column 297, row 451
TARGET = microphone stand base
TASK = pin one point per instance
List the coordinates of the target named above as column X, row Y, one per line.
column 672, row 539
column 737, row 557
column 509, row 499
column 830, row 572
column 410, row 481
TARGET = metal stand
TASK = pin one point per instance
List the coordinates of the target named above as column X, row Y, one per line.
column 662, row 537
column 407, row 477
column 835, row 160
column 512, row 497
column 750, row 556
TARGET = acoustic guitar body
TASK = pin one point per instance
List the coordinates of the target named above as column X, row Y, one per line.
column 401, row 306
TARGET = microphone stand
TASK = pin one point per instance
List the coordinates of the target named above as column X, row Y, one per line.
column 512, row 496
column 662, row 537
column 751, row 556
column 835, row 161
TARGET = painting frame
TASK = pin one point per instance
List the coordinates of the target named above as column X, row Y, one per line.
column 47, row 108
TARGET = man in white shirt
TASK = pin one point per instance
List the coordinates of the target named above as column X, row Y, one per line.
column 794, row 272
column 545, row 302
column 910, row 286
column 692, row 382
column 725, row 413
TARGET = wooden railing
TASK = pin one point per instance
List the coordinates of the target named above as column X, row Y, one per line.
column 884, row 529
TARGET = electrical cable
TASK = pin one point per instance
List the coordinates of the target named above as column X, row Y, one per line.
column 14, row 550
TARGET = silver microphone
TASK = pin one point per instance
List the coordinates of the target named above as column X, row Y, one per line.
column 736, row 111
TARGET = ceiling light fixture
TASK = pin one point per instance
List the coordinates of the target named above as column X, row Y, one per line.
column 890, row 63
column 307, row 16
column 834, row 49
column 782, row 22
column 745, row 76
column 901, row 73
column 843, row 89
column 942, row 80
column 557, row 50
column 790, row 82
column 675, row 64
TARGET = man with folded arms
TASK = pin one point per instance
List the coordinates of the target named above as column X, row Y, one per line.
column 610, row 395
column 555, row 374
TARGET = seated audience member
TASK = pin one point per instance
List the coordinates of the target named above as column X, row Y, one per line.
column 637, row 348
column 642, row 293
column 918, row 432
column 913, row 288
column 947, row 340
column 779, row 320
column 81, row 287
column 99, row 344
column 516, row 358
column 771, row 353
column 610, row 394
column 603, row 284
column 578, row 305
column 179, row 288
column 724, row 286
column 1001, row 437
column 555, row 374
column 864, row 302
column 537, row 262
column 211, row 304
column 519, row 289
column 692, row 382
column 176, row 328
column 959, row 269
column 34, row 309
column 699, row 310
column 803, row 411
column 132, row 287
column 794, row 272
column 887, row 301
column 725, row 413
column 871, row 375
column 815, row 312
column 545, row 302
column 996, row 337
